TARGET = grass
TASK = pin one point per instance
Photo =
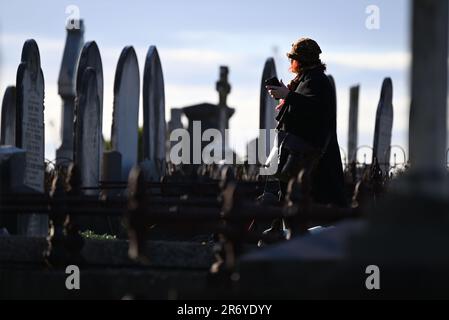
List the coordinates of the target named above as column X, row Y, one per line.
column 88, row 234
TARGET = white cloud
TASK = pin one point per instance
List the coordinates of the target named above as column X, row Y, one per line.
column 44, row 43
column 366, row 60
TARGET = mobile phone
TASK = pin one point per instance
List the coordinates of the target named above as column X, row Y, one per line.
column 273, row 82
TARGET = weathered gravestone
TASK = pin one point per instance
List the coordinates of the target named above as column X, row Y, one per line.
column 88, row 131
column 175, row 119
column 90, row 58
column 12, row 180
column 154, row 132
column 384, row 126
column 30, row 130
column 334, row 94
column 353, row 120
column 125, row 126
column 12, row 162
column 267, row 110
column 8, row 125
column 67, row 91
column 175, row 122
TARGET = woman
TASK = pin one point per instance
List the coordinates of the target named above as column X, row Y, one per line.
column 307, row 112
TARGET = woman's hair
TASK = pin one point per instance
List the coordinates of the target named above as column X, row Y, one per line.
column 304, row 66
column 308, row 63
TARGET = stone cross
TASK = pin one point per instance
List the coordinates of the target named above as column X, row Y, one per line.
column 67, row 91
column 223, row 87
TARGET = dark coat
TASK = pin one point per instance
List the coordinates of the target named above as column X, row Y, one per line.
column 311, row 114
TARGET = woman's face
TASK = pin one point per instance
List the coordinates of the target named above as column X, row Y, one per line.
column 294, row 66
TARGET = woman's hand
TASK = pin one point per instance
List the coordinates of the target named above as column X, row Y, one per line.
column 278, row 92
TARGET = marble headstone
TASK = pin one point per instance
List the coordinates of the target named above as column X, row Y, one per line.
column 90, row 58
column 154, row 127
column 88, row 131
column 353, row 121
column 125, row 126
column 12, row 162
column 384, row 126
column 8, row 124
column 30, row 130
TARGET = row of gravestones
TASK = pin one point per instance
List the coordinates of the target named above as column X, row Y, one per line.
column 81, row 86
column 383, row 124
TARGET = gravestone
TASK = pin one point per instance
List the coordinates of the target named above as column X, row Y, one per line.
column 12, row 180
column 384, row 126
column 90, row 58
column 428, row 111
column 334, row 94
column 175, row 119
column 111, row 170
column 30, row 131
column 204, row 116
column 125, row 126
column 67, row 91
column 267, row 106
column 174, row 123
column 12, row 162
column 88, row 131
column 353, row 121
column 8, row 125
column 154, row 128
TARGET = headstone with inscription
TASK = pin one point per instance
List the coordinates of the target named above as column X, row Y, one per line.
column 384, row 126
column 154, row 126
column 125, row 126
column 67, row 90
column 30, row 131
column 88, row 131
column 90, row 58
column 8, row 124
column 353, row 120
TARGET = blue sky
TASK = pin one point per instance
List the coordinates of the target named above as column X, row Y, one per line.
column 195, row 37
